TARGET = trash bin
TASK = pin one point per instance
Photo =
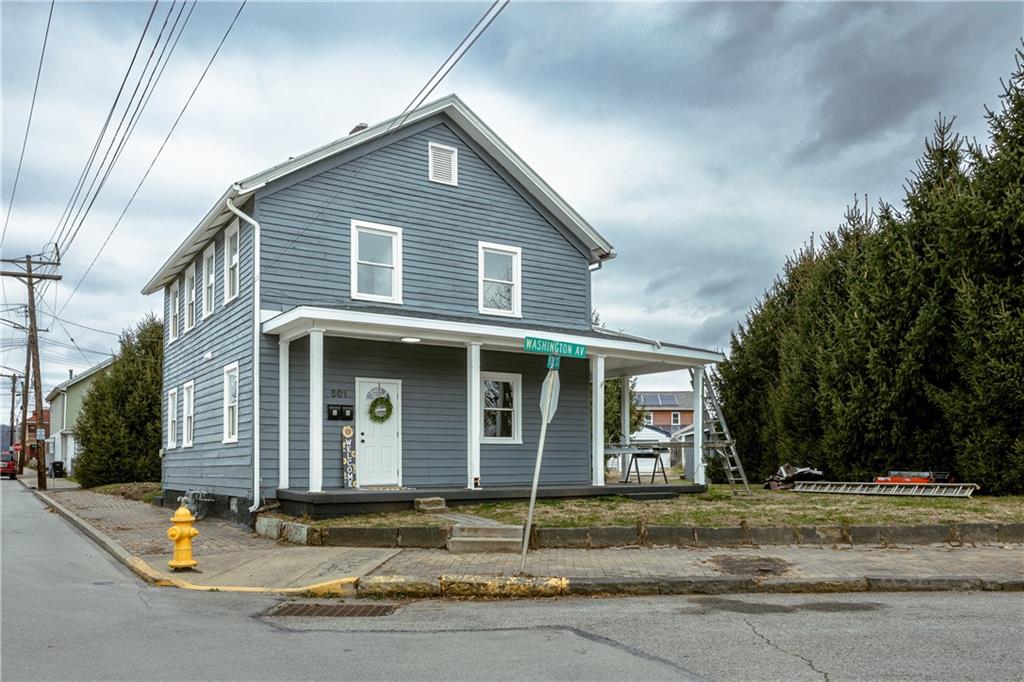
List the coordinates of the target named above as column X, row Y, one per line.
column 57, row 469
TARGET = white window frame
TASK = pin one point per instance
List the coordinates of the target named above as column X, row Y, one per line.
column 517, row 407
column 517, row 278
column 648, row 419
column 396, row 259
column 676, row 419
column 191, row 312
column 228, row 369
column 209, row 279
column 228, row 257
column 175, row 305
column 431, row 146
column 172, row 418
column 188, row 413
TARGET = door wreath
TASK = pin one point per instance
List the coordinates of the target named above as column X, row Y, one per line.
column 381, row 409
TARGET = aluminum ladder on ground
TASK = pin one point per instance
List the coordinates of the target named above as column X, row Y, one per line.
column 719, row 440
column 894, row 489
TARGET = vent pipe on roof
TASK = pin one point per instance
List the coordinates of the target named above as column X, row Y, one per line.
column 360, row 127
column 71, row 374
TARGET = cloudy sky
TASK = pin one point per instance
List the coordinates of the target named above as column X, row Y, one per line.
column 705, row 141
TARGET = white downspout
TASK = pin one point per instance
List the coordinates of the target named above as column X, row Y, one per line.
column 255, row 354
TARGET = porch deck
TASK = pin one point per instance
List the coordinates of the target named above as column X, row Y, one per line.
column 340, row 501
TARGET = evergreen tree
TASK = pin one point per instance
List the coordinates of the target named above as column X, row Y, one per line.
column 119, row 427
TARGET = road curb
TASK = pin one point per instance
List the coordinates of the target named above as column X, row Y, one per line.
column 342, row 587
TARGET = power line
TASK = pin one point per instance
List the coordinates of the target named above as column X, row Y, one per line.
column 446, row 66
column 28, row 125
column 155, row 157
column 83, row 326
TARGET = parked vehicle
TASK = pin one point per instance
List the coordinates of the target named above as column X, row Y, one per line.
column 9, row 465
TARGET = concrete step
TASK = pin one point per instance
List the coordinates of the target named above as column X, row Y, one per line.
column 470, row 531
column 471, row 545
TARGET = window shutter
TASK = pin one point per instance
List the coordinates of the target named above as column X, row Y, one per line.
column 444, row 164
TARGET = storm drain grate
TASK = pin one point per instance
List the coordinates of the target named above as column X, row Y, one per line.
column 333, row 610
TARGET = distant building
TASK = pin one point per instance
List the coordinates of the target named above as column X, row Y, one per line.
column 30, row 444
column 65, row 404
column 667, row 411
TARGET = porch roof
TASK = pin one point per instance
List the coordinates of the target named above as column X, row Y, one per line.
column 625, row 355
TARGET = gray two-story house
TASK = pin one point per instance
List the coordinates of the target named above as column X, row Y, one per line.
column 353, row 320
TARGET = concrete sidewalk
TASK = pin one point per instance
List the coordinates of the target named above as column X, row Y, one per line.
column 230, row 558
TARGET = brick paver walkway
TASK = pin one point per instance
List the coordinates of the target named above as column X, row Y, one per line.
column 799, row 562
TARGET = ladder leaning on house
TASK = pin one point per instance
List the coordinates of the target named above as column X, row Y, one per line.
column 718, row 439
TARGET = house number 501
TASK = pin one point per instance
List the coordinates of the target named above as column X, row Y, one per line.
column 339, row 393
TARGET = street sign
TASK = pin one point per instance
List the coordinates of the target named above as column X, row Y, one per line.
column 532, row 344
column 549, row 396
column 40, row 434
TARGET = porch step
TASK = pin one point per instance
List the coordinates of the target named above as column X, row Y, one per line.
column 476, row 545
column 495, row 531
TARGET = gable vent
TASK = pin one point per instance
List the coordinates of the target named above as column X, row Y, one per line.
column 443, row 164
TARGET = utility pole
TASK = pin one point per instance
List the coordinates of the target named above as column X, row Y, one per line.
column 14, row 396
column 23, row 453
column 29, row 278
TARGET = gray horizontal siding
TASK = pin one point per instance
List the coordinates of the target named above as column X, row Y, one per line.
column 210, row 465
column 306, row 233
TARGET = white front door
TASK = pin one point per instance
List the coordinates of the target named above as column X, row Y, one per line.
column 378, row 444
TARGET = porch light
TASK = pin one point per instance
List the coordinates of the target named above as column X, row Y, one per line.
column 409, row 339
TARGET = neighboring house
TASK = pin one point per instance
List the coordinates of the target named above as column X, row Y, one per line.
column 666, row 410
column 384, row 284
column 29, row 447
column 65, row 403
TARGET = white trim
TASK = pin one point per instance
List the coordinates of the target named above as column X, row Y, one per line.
column 296, row 322
column 431, row 146
column 188, row 412
column 172, row 418
column 190, row 298
column 517, row 407
column 316, row 410
column 283, row 411
column 474, row 423
column 174, row 308
column 396, row 261
column 397, row 414
column 209, row 280
column 597, row 418
column 232, row 229
column 698, row 475
column 233, row 367
column 517, row 278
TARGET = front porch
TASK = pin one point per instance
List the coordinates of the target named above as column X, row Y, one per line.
column 340, row 501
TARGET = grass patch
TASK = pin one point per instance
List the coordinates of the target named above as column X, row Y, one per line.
column 375, row 520
column 718, row 508
column 140, row 492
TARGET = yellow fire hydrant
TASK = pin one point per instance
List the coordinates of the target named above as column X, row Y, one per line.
column 181, row 533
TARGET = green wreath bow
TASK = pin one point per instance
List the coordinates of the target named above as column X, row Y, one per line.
column 381, row 409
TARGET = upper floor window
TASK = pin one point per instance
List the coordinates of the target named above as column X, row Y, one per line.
column 175, row 305
column 190, row 297
column 648, row 418
column 188, row 410
column 501, row 405
column 675, row 419
column 231, row 248
column 443, row 164
column 500, row 279
column 209, row 273
column 231, row 403
column 172, row 419
column 376, row 262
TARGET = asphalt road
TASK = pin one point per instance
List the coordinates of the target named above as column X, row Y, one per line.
column 69, row 611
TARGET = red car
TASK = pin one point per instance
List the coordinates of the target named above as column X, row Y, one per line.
column 9, row 465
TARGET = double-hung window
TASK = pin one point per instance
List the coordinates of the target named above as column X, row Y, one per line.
column 188, row 410
column 675, row 419
column 172, row 419
column 190, row 297
column 501, row 276
column 231, row 403
column 501, row 407
column 209, row 281
column 648, row 418
column 174, row 314
column 231, row 249
column 376, row 262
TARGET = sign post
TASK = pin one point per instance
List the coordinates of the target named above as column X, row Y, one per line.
column 548, row 404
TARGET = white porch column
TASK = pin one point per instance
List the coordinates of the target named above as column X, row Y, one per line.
column 316, row 410
column 597, row 418
column 699, row 475
column 283, row 416
column 473, row 417
column 624, row 402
